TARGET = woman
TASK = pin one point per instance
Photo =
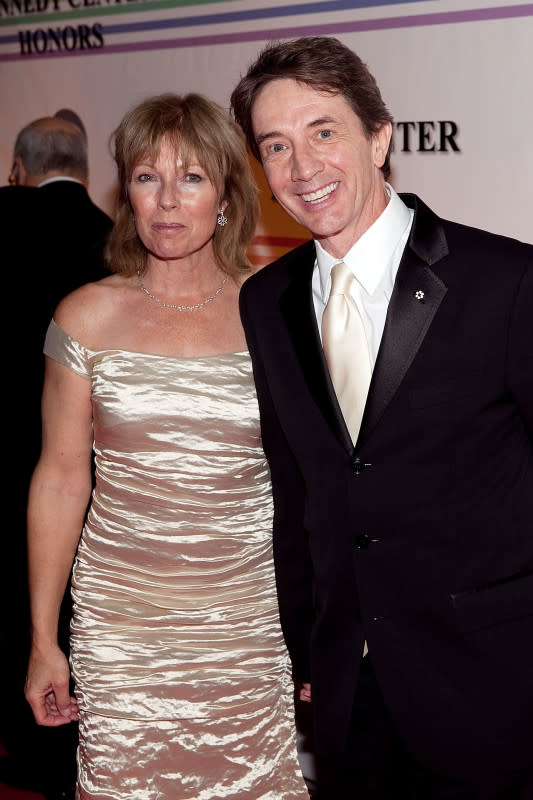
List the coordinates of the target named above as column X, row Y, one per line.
column 182, row 680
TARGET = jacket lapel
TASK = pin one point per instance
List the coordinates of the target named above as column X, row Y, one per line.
column 416, row 297
column 417, row 294
column 297, row 308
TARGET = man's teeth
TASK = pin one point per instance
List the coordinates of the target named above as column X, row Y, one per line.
column 314, row 197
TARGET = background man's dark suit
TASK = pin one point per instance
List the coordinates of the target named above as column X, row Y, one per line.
column 421, row 537
column 53, row 242
column 54, row 239
column 73, row 233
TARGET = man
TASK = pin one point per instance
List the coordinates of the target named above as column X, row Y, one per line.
column 53, row 241
column 51, row 154
column 54, row 233
column 400, row 448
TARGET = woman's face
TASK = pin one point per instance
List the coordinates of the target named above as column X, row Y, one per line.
column 175, row 209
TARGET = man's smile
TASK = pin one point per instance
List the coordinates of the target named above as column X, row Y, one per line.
column 320, row 194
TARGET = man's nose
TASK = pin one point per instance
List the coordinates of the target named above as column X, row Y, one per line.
column 305, row 163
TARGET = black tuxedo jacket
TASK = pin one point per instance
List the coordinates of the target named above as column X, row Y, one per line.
column 419, row 539
column 72, row 235
column 53, row 242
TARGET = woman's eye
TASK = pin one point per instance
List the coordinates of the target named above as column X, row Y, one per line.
column 193, row 177
column 326, row 134
column 143, row 177
column 277, row 148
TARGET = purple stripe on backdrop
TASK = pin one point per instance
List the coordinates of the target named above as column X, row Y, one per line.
column 245, row 15
column 204, row 20
column 388, row 23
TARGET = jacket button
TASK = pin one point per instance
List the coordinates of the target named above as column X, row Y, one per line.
column 357, row 466
column 362, row 542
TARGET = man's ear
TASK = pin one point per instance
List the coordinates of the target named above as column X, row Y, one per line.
column 381, row 142
column 21, row 174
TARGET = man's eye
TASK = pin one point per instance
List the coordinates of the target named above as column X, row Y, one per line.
column 326, row 134
column 277, row 148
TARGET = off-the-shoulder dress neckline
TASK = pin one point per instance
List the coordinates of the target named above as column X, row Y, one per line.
column 151, row 355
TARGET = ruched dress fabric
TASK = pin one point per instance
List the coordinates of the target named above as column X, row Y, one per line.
column 180, row 668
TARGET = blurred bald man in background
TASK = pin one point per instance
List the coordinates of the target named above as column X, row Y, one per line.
column 53, row 241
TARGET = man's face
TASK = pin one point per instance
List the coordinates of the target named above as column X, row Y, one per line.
column 319, row 163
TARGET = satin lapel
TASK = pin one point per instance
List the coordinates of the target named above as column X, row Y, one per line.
column 298, row 311
column 417, row 294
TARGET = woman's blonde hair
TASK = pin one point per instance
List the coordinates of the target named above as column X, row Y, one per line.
column 200, row 131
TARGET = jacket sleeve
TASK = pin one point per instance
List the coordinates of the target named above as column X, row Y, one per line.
column 520, row 345
column 294, row 573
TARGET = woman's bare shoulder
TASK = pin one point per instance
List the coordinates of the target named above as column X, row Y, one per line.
column 85, row 311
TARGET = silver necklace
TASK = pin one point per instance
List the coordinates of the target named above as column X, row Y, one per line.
column 175, row 306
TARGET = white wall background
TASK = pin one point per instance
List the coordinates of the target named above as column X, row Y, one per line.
column 433, row 59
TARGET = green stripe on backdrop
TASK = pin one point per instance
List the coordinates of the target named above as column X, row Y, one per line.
column 107, row 7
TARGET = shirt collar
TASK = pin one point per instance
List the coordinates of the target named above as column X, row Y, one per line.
column 370, row 257
column 58, row 178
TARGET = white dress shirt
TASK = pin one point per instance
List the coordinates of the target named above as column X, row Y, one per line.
column 374, row 260
column 57, row 178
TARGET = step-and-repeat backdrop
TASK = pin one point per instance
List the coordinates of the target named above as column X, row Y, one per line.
column 456, row 74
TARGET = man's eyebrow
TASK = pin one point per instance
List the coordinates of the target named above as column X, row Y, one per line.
column 315, row 123
column 321, row 121
column 270, row 135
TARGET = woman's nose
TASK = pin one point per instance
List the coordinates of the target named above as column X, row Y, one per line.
column 168, row 195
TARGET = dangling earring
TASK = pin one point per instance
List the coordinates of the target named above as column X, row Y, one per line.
column 221, row 219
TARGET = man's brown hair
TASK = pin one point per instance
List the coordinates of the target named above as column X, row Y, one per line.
column 323, row 63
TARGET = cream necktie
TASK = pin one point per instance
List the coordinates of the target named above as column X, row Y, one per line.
column 346, row 348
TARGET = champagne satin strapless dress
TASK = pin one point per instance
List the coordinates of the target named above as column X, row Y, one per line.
column 181, row 672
